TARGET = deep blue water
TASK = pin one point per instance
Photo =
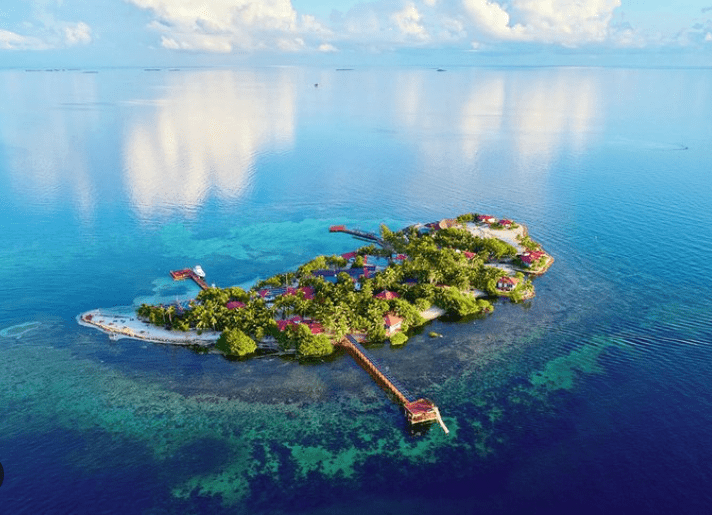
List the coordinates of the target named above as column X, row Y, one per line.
column 592, row 398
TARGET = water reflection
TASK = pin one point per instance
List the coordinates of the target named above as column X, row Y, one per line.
column 553, row 108
column 46, row 121
column 205, row 134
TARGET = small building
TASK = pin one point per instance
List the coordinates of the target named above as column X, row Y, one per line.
column 506, row 223
column 528, row 258
column 469, row 255
column 487, row 219
column 387, row 295
column 507, row 283
column 393, row 323
column 234, row 305
column 308, row 292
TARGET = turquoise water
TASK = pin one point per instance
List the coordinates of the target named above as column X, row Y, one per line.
column 593, row 397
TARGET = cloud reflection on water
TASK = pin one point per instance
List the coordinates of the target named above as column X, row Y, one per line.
column 44, row 121
column 205, row 135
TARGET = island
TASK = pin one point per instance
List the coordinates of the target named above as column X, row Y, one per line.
column 379, row 292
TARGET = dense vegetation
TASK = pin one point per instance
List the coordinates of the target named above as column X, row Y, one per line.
column 440, row 269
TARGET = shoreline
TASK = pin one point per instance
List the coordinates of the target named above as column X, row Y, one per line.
column 123, row 326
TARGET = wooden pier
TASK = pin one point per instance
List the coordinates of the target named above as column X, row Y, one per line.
column 363, row 235
column 417, row 410
column 189, row 273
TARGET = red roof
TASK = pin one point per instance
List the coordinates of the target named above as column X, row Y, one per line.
column 387, row 295
column 232, row 305
column 469, row 255
column 392, row 320
column 485, row 218
column 505, row 222
column 315, row 328
column 508, row 280
column 531, row 256
column 349, row 256
column 307, row 291
column 401, row 257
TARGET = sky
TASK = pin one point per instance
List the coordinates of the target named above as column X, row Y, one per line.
column 92, row 33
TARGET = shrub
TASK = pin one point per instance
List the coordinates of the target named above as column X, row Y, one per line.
column 235, row 342
column 398, row 339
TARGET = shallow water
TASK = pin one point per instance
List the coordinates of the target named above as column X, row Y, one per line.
column 590, row 398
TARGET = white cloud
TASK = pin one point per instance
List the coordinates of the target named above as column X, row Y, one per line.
column 327, row 47
column 564, row 22
column 224, row 25
column 708, row 36
column 13, row 41
column 77, row 33
column 408, row 20
column 493, row 19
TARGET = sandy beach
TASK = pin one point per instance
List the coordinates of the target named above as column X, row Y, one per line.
column 125, row 325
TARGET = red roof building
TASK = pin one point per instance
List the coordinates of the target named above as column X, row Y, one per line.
column 469, row 255
column 387, row 295
column 489, row 219
column 307, row 291
column 392, row 322
column 234, row 305
column 530, row 257
column 507, row 283
column 505, row 222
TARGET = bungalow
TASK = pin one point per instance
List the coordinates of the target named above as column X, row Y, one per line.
column 349, row 256
column 505, row 223
column 387, row 295
column 401, row 257
column 313, row 326
column 528, row 258
column 507, row 283
column 487, row 219
column 469, row 255
column 307, row 291
column 234, row 305
column 393, row 323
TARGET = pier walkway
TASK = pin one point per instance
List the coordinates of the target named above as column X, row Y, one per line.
column 417, row 410
column 189, row 273
column 363, row 235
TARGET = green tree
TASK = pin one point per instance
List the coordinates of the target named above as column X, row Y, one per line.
column 235, row 342
column 398, row 339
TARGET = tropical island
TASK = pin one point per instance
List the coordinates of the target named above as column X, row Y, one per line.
column 377, row 293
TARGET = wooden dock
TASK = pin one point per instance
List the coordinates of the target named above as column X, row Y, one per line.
column 363, row 235
column 417, row 410
column 189, row 273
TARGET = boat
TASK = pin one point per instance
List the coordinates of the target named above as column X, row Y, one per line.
column 198, row 270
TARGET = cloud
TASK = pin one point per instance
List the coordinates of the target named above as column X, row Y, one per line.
column 562, row 22
column 77, row 33
column 408, row 20
column 13, row 41
column 40, row 27
column 327, row 47
column 227, row 25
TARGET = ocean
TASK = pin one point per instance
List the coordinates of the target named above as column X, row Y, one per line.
column 593, row 397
